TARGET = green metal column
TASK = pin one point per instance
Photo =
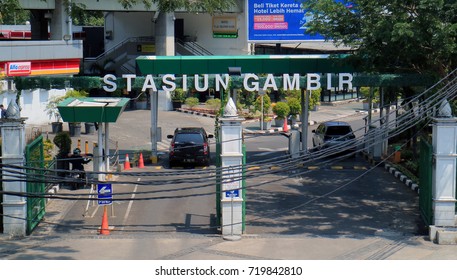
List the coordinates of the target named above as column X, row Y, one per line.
column 244, row 189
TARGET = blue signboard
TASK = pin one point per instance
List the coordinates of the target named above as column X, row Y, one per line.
column 232, row 193
column 278, row 21
column 105, row 194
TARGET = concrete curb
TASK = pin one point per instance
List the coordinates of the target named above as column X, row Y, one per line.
column 195, row 113
column 248, row 131
column 269, row 131
column 403, row 178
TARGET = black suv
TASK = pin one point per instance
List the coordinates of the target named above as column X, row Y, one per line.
column 189, row 145
column 333, row 133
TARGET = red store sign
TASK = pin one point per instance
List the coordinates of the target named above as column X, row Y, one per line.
column 18, row 68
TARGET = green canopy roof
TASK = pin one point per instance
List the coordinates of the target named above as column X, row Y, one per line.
column 97, row 109
column 249, row 64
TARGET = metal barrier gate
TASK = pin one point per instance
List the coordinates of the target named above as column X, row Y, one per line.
column 34, row 157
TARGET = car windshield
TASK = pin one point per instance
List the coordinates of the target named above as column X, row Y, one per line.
column 338, row 130
column 194, row 138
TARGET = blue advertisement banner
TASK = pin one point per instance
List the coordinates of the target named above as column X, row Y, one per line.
column 278, row 21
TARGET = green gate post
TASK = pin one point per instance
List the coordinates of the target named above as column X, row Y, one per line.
column 218, row 182
column 244, row 189
column 425, row 181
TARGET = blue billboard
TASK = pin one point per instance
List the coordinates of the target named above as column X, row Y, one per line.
column 278, row 21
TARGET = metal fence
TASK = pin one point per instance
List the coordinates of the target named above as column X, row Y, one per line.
column 328, row 96
column 34, row 156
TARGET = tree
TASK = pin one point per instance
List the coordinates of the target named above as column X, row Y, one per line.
column 396, row 36
column 9, row 7
column 209, row 6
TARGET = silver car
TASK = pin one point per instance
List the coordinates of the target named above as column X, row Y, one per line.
column 333, row 133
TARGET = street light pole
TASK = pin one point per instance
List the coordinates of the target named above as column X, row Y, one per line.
column 304, row 120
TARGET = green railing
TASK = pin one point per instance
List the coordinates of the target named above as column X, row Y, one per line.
column 244, row 189
column 35, row 183
column 218, row 182
column 425, row 181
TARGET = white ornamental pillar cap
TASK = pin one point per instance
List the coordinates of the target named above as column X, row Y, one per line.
column 444, row 110
column 230, row 109
column 13, row 111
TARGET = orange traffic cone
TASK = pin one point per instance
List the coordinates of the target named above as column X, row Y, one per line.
column 140, row 161
column 285, row 127
column 127, row 162
column 104, row 229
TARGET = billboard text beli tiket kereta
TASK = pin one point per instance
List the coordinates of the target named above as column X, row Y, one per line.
column 278, row 21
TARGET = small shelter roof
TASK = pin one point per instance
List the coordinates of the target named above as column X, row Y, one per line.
column 92, row 109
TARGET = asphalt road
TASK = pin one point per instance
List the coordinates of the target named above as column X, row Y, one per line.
column 347, row 197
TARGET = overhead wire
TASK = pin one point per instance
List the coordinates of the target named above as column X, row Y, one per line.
column 416, row 118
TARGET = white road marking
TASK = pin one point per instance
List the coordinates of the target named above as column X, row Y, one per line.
column 271, row 151
column 95, row 211
column 129, row 207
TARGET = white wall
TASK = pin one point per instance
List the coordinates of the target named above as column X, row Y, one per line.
column 125, row 25
column 33, row 104
column 135, row 24
column 200, row 26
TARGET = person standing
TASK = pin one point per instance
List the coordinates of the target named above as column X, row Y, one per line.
column 3, row 109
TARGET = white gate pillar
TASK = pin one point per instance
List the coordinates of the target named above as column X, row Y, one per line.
column 232, row 161
column 444, row 171
column 13, row 152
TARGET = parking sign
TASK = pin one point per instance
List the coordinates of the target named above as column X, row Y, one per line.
column 105, row 194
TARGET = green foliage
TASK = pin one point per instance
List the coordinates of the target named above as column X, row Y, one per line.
column 314, row 99
column 293, row 94
column 247, row 98
column 19, row 16
column 412, row 166
column 266, row 104
column 178, row 95
column 63, row 141
column 84, row 17
column 48, row 148
column 213, row 104
column 281, row 109
column 294, row 105
column 208, row 6
column 8, row 10
column 51, row 108
column 365, row 93
column 391, row 36
column 192, row 102
column 407, row 155
column 76, row 94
